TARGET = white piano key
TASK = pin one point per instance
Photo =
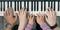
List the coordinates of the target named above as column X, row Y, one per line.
column 43, row 6
column 30, row 6
column 46, row 4
column 39, row 8
column 22, row 4
column 16, row 5
column 19, row 5
column 5, row 6
column 56, row 6
column 59, row 6
column 36, row 6
column 53, row 4
column 33, row 7
column 13, row 5
column 2, row 6
column 50, row 3
column 26, row 4
column 9, row 3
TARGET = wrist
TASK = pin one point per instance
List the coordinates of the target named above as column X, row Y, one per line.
column 8, row 26
column 31, row 23
column 41, row 23
column 20, row 28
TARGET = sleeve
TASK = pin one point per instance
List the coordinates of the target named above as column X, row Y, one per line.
column 45, row 27
column 28, row 27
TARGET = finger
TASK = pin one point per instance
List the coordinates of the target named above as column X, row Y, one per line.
column 46, row 17
column 10, row 10
column 16, row 17
column 47, row 12
column 54, row 13
column 5, row 14
column 21, row 11
column 25, row 12
column 38, row 15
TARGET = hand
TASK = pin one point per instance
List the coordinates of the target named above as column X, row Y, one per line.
column 40, row 19
column 8, row 15
column 31, row 19
column 50, row 16
column 22, row 18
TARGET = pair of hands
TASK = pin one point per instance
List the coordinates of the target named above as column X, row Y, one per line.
column 50, row 17
column 23, row 19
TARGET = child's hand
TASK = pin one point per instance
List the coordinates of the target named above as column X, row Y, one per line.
column 50, row 16
column 8, row 15
column 22, row 18
column 40, row 19
column 31, row 19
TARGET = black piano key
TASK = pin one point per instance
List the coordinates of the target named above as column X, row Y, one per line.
column 11, row 4
column 54, row 5
column 15, row 6
column 51, row 4
column 58, row 5
column 44, row 6
column 27, row 6
column 41, row 5
column 32, row 6
column 18, row 6
column 8, row 4
column 37, row 5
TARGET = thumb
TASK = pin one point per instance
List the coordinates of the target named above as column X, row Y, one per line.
column 46, row 18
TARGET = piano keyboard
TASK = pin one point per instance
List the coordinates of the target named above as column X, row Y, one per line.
column 33, row 6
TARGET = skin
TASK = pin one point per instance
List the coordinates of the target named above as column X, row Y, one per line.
column 31, row 19
column 50, row 16
column 8, row 15
column 22, row 18
column 40, row 19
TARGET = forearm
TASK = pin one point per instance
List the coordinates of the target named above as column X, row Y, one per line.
column 44, row 26
column 7, row 29
column 28, row 27
column 21, row 27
